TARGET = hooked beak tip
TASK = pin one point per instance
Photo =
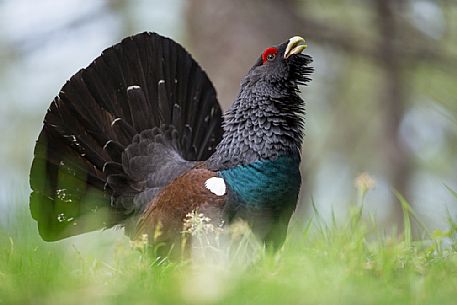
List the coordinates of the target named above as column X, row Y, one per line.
column 296, row 45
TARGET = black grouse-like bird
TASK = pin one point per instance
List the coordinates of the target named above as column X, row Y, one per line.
column 138, row 139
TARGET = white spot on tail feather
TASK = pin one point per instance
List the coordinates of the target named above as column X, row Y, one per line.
column 133, row 88
column 115, row 120
column 104, row 166
column 216, row 185
column 106, row 144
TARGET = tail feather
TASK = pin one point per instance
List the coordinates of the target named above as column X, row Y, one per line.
column 139, row 108
column 118, row 131
column 123, row 130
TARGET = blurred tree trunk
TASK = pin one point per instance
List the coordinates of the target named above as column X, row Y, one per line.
column 392, row 102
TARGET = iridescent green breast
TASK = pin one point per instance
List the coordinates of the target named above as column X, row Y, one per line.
column 265, row 183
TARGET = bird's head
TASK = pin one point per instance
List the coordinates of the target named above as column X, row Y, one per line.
column 283, row 63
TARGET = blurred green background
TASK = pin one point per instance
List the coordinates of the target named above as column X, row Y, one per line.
column 383, row 99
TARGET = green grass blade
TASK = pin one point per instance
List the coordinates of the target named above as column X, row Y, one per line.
column 453, row 193
column 406, row 209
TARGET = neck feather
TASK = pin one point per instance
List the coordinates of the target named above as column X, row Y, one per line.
column 261, row 125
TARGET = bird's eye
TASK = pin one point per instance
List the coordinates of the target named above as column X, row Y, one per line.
column 269, row 54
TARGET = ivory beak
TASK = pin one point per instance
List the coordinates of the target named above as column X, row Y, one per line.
column 296, row 45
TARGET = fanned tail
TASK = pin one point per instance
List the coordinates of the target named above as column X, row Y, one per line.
column 117, row 132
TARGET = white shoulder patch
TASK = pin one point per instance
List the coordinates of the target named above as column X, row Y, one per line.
column 216, row 185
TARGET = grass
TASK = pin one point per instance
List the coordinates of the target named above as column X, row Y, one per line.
column 350, row 263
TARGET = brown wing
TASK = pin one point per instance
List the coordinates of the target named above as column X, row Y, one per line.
column 163, row 219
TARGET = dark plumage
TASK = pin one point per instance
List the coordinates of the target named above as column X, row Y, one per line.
column 126, row 139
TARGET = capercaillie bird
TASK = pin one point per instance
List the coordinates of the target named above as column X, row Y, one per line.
column 137, row 139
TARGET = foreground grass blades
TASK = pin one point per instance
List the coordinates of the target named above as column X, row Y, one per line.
column 338, row 264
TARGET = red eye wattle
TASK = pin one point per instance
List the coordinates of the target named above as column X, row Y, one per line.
column 269, row 54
